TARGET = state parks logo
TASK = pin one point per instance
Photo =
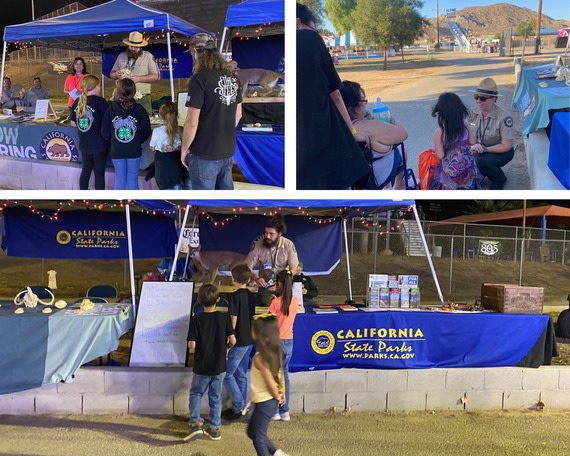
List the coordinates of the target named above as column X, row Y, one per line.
column 322, row 342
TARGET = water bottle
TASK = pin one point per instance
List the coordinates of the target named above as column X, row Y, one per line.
column 414, row 298
column 381, row 112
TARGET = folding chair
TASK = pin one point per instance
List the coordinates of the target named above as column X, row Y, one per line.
column 108, row 292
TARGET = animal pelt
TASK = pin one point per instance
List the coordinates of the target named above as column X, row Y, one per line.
column 209, row 262
column 259, row 76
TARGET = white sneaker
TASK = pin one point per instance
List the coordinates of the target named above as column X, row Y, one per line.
column 276, row 417
column 285, row 416
column 280, row 453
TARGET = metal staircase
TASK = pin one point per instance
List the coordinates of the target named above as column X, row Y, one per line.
column 412, row 238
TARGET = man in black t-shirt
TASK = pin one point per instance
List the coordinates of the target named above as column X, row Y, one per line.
column 241, row 309
column 209, row 334
column 214, row 110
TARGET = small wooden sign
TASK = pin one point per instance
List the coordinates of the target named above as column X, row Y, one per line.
column 44, row 109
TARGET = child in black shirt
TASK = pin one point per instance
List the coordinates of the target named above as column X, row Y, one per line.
column 209, row 335
column 241, row 309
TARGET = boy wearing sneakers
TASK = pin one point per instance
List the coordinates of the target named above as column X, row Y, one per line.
column 241, row 309
column 209, row 335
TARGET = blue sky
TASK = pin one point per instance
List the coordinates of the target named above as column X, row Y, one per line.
column 556, row 9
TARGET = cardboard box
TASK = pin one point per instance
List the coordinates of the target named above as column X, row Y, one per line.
column 512, row 298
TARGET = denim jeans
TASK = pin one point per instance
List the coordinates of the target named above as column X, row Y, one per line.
column 210, row 174
column 258, row 424
column 127, row 173
column 236, row 376
column 213, row 383
column 287, row 349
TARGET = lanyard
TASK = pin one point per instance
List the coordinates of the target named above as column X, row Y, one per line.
column 482, row 135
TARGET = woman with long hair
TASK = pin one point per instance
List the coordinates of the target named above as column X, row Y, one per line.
column 165, row 142
column 267, row 386
column 86, row 114
column 126, row 126
column 285, row 306
column 452, row 141
column 72, row 86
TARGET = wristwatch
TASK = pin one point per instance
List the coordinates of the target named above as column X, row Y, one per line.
column 485, row 150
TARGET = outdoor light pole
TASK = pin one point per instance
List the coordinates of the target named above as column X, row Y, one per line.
column 437, row 22
column 33, row 12
column 538, row 22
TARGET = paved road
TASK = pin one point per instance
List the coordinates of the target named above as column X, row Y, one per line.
column 413, row 106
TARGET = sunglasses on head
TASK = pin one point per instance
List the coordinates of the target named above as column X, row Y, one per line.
column 480, row 98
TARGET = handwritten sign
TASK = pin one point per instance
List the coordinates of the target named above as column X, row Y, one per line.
column 44, row 109
column 162, row 324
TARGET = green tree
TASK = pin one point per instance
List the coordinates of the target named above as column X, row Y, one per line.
column 339, row 13
column 525, row 29
column 317, row 8
column 385, row 23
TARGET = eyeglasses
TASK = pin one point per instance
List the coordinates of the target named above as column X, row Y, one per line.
column 480, row 98
column 363, row 100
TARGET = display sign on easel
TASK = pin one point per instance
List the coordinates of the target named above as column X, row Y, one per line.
column 44, row 109
column 162, row 324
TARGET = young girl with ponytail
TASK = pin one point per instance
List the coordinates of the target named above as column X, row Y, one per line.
column 166, row 140
column 285, row 306
column 86, row 114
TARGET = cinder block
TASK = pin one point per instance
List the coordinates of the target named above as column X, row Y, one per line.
column 127, row 381
column 324, row 402
column 503, row 378
column 419, row 378
column 387, row 380
column 9, row 182
column 484, row 400
column 17, row 404
column 366, row 401
column 20, row 168
column 171, row 381
column 44, row 170
column 296, row 402
column 38, row 185
column 308, row 382
column 564, row 380
column 5, row 163
column 346, row 380
column 445, row 400
column 68, row 172
column 556, row 399
column 465, row 379
column 59, row 403
column 181, row 403
column 406, row 400
column 105, row 404
column 87, row 380
column 541, row 379
column 151, row 405
column 525, row 400
column 58, row 185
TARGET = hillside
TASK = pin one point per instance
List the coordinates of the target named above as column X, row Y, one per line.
column 486, row 21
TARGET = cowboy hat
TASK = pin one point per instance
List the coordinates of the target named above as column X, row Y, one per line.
column 135, row 39
column 487, row 87
column 202, row 41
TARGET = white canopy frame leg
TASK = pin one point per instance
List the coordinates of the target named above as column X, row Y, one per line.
column 428, row 254
column 223, row 39
column 131, row 262
column 347, row 261
column 170, row 70
column 179, row 244
column 3, row 62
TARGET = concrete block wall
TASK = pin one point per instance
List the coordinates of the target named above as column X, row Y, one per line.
column 17, row 174
column 123, row 390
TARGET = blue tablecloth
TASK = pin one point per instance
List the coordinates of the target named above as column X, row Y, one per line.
column 37, row 348
column 415, row 340
column 261, row 156
column 559, row 155
column 533, row 101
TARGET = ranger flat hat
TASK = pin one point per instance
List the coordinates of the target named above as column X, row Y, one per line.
column 202, row 41
column 487, row 87
column 135, row 39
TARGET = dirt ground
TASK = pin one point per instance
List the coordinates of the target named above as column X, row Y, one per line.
column 516, row 433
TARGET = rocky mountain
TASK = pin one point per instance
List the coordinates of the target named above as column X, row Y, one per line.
column 485, row 21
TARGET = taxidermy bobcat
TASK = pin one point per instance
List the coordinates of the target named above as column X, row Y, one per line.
column 259, row 76
column 210, row 261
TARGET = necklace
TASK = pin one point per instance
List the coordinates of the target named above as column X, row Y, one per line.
column 481, row 136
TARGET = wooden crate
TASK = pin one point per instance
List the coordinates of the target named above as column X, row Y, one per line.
column 512, row 298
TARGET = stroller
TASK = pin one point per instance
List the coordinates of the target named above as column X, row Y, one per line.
column 368, row 181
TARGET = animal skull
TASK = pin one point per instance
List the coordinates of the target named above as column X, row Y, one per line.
column 30, row 299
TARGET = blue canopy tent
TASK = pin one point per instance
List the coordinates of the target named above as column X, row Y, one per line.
column 97, row 28
column 308, row 235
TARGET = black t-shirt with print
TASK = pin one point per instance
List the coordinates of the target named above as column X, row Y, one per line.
column 242, row 306
column 91, row 141
column 210, row 331
column 217, row 95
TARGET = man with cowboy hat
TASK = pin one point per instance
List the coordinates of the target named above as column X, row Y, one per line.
column 139, row 66
column 493, row 127
column 214, row 110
